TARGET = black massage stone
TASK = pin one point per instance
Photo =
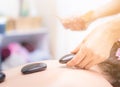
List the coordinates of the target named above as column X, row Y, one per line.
column 32, row 68
column 2, row 77
column 66, row 58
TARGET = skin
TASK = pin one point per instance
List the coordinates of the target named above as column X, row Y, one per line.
column 95, row 48
column 97, row 45
column 81, row 22
column 56, row 75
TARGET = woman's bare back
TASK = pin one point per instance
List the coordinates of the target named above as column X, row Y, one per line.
column 56, row 75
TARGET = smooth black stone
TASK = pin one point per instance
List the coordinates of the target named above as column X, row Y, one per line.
column 66, row 58
column 32, row 68
column 2, row 77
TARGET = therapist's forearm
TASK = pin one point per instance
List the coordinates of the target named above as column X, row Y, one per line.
column 110, row 8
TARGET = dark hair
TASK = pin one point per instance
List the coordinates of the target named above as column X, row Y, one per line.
column 111, row 66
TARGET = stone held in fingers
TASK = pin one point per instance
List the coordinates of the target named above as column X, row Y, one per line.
column 32, row 68
column 66, row 58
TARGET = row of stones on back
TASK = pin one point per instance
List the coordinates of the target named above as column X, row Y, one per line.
column 111, row 66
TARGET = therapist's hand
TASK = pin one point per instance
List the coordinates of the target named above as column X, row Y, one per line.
column 94, row 49
column 74, row 23
column 77, row 23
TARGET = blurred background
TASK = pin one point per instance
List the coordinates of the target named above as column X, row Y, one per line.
column 30, row 30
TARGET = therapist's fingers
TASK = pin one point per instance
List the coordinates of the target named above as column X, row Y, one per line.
column 86, row 60
column 96, row 60
column 90, row 60
column 78, row 57
column 66, row 23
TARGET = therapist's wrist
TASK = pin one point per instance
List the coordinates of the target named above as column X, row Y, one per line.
column 88, row 17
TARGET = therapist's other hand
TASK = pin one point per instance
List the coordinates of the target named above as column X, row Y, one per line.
column 77, row 23
column 73, row 23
